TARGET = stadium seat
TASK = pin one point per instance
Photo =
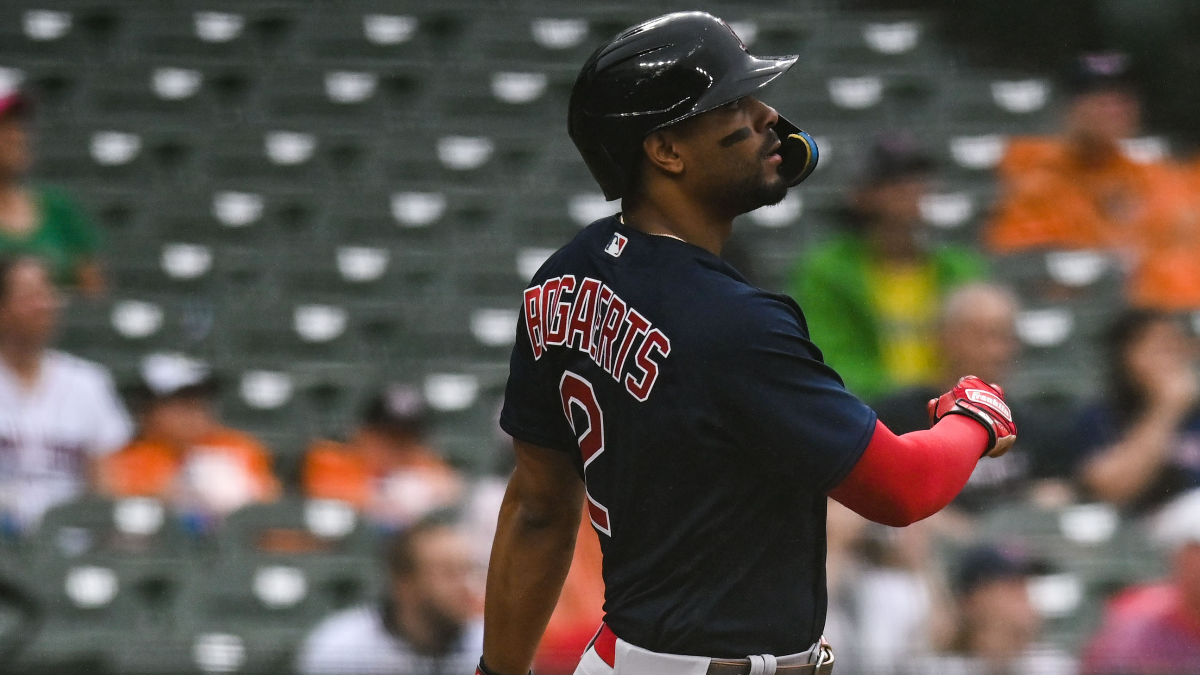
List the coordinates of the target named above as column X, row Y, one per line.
column 372, row 32
column 208, row 33
column 54, row 32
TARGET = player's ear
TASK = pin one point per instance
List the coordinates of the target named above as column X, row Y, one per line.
column 663, row 152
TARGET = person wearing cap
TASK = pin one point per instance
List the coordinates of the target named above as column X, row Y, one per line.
column 871, row 293
column 998, row 627
column 41, row 220
column 1082, row 190
column 58, row 412
column 182, row 453
column 1154, row 629
column 386, row 469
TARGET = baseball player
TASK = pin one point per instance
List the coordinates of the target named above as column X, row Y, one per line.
column 685, row 409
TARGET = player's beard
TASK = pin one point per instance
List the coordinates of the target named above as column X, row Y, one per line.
column 758, row 186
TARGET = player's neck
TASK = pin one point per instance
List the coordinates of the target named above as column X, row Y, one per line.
column 682, row 220
column 24, row 362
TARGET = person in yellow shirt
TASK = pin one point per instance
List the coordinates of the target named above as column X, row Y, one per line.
column 182, row 454
column 871, row 293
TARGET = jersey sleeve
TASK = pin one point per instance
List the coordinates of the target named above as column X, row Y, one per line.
column 791, row 407
column 533, row 409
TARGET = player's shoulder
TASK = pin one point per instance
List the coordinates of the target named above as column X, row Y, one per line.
column 734, row 313
column 582, row 248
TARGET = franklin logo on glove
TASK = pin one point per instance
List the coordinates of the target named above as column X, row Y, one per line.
column 984, row 403
column 987, row 399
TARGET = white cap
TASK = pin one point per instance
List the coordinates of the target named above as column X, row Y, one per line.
column 1178, row 523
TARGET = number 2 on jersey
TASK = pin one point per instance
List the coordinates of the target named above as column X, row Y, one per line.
column 576, row 391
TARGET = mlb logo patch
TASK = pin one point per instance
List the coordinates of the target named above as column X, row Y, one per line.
column 617, row 245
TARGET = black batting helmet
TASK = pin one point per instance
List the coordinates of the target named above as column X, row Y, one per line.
column 664, row 71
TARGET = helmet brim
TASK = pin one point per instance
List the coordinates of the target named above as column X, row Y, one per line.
column 756, row 73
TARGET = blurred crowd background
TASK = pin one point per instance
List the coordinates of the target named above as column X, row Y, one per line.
column 261, row 265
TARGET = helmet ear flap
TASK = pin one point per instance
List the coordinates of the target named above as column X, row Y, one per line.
column 798, row 150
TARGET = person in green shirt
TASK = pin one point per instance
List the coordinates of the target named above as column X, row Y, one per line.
column 38, row 220
column 871, row 293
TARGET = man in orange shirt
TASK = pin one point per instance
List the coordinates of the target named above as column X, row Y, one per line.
column 1167, row 274
column 183, row 454
column 386, row 469
column 1078, row 190
column 1083, row 191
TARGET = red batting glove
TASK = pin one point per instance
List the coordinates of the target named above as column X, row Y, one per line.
column 982, row 402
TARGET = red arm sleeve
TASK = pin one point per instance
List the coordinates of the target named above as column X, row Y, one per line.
column 902, row 479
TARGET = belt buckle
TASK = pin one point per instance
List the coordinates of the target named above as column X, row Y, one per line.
column 824, row 656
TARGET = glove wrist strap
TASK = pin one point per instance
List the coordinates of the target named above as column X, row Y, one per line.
column 971, row 414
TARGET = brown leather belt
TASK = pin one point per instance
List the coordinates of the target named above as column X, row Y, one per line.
column 605, row 645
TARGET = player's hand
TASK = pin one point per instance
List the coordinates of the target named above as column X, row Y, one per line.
column 982, row 402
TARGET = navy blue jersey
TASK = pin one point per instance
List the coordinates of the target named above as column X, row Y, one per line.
column 707, row 428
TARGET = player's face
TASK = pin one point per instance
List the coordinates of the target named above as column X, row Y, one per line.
column 731, row 156
column 29, row 307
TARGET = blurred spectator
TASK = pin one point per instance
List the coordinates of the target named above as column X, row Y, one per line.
column 1155, row 629
column 977, row 336
column 871, row 295
column 1082, row 191
column 1165, row 275
column 998, row 630
column 428, row 623
column 58, row 413
column 885, row 598
column 386, row 469
column 1141, row 445
column 38, row 220
column 1078, row 190
column 183, row 454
